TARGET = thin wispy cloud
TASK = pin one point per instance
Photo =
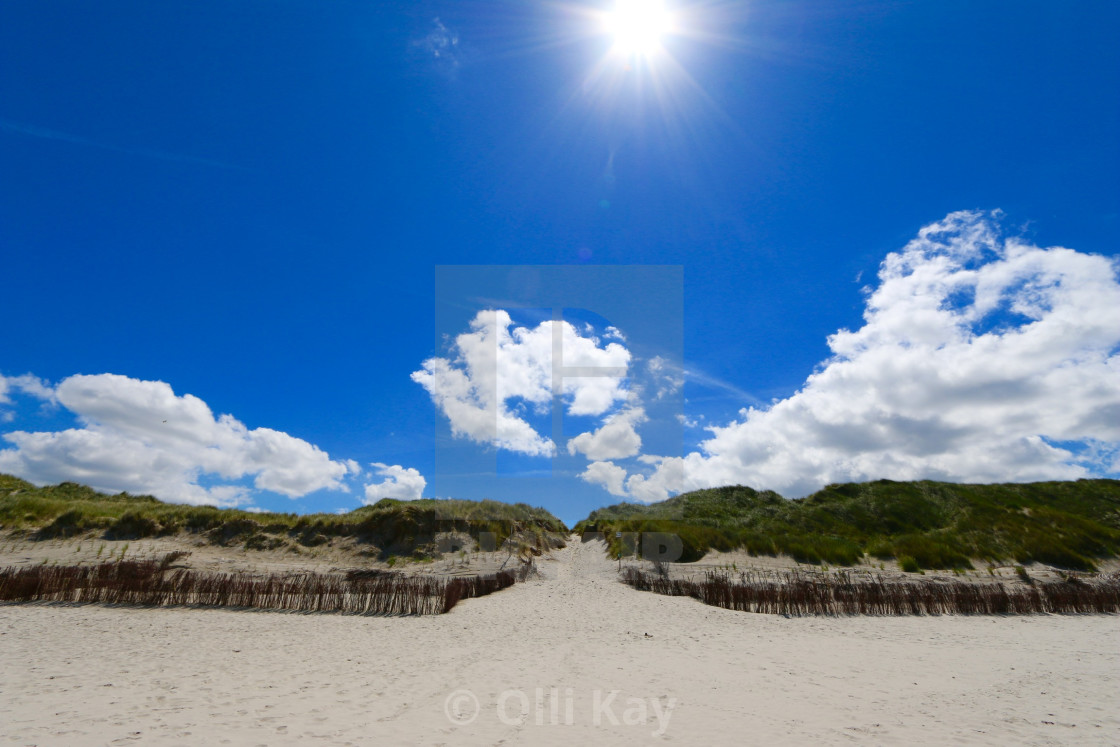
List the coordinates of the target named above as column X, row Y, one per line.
column 673, row 375
column 28, row 384
column 30, row 130
column 440, row 46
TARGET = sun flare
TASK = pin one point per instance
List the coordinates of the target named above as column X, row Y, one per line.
column 638, row 26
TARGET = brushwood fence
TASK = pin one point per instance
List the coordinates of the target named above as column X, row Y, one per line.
column 152, row 583
column 796, row 595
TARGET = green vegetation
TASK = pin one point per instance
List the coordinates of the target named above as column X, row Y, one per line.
column 387, row 528
column 926, row 524
column 908, row 564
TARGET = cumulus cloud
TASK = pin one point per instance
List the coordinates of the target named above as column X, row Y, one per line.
column 141, row 437
column 981, row 358
column 496, row 364
column 606, row 475
column 401, row 483
column 616, row 439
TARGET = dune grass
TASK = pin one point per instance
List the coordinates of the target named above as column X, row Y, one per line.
column 922, row 524
column 388, row 527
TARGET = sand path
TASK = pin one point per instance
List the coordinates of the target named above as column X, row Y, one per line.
column 682, row 673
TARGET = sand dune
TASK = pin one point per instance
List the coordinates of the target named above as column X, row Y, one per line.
column 538, row 663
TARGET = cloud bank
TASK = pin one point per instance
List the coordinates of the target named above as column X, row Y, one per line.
column 139, row 436
column 981, row 359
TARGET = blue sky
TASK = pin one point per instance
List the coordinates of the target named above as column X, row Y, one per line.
column 253, row 203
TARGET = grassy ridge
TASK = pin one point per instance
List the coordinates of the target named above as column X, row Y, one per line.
column 922, row 524
column 388, row 527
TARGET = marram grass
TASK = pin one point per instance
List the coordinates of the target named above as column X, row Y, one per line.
column 389, row 527
column 923, row 524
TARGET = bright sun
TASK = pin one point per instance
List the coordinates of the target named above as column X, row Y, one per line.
column 638, row 26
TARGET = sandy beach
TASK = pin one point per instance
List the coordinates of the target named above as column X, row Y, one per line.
column 572, row 655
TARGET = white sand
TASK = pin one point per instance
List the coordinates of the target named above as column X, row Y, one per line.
column 96, row 675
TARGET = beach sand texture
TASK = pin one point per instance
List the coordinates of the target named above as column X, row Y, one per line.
column 684, row 673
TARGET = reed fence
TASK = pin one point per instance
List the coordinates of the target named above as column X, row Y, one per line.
column 794, row 595
column 153, row 583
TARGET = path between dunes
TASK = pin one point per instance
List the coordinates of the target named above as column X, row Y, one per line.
column 95, row 675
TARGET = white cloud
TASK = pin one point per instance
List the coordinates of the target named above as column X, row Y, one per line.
column 616, row 439
column 668, row 378
column 496, row 364
column 606, row 475
column 141, row 437
column 401, row 483
column 27, row 384
column 980, row 359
